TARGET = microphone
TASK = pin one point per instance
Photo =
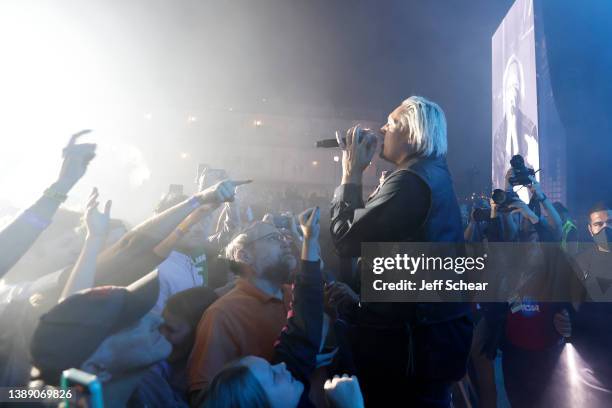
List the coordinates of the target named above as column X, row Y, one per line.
column 327, row 143
column 361, row 133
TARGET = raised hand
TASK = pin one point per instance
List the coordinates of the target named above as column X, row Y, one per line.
column 494, row 206
column 210, row 176
column 536, row 189
column 221, row 192
column 562, row 323
column 507, row 176
column 344, row 392
column 309, row 223
column 96, row 222
column 76, row 160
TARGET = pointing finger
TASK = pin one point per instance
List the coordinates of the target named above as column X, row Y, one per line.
column 305, row 216
column 74, row 137
column 312, row 217
column 107, row 208
column 92, row 197
column 242, row 182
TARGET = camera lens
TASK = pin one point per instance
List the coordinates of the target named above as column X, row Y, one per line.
column 498, row 196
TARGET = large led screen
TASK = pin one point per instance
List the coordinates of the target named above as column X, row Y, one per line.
column 515, row 105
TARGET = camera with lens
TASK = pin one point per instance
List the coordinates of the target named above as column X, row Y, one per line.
column 520, row 172
column 502, row 198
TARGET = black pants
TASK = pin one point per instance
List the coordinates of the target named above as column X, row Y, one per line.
column 528, row 375
column 411, row 367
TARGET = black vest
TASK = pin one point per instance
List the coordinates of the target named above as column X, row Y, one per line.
column 443, row 223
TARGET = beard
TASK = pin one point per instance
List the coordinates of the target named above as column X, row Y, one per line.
column 281, row 271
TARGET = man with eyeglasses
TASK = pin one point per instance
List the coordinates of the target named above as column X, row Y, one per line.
column 248, row 319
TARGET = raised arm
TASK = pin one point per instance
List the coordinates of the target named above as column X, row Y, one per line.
column 552, row 216
column 386, row 214
column 166, row 246
column 300, row 340
column 17, row 237
column 385, row 217
column 134, row 256
column 82, row 274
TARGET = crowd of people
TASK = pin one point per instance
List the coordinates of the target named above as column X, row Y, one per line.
column 221, row 299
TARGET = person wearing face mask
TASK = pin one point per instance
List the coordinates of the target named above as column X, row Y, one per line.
column 596, row 262
column 591, row 331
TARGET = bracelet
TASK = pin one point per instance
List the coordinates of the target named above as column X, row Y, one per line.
column 544, row 198
column 35, row 220
column 54, row 195
column 180, row 231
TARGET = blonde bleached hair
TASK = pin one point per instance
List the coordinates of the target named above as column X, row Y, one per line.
column 425, row 123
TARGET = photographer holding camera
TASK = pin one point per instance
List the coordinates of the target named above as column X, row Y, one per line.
column 528, row 330
column 550, row 227
column 509, row 218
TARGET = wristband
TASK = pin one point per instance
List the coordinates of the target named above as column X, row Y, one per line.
column 54, row 195
column 180, row 231
column 544, row 198
column 35, row 220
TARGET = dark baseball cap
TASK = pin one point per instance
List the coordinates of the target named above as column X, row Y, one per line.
column 73, row 329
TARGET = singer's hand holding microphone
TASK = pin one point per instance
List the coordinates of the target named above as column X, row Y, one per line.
column 358, row 148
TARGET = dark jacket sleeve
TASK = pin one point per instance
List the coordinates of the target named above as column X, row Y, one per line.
column 397, row 209
column 300, row 340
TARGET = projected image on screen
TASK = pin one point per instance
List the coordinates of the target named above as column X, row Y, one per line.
column 515, row 107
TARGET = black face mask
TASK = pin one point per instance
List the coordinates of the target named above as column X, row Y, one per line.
column 603, row 238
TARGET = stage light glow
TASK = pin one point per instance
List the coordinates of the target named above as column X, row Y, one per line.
column 184, row 156
column 572, row 367
column 315, row 163
column 148, row 116
column 336, row 159
column 257, row 123
column 192, row 119
column 55, row 80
